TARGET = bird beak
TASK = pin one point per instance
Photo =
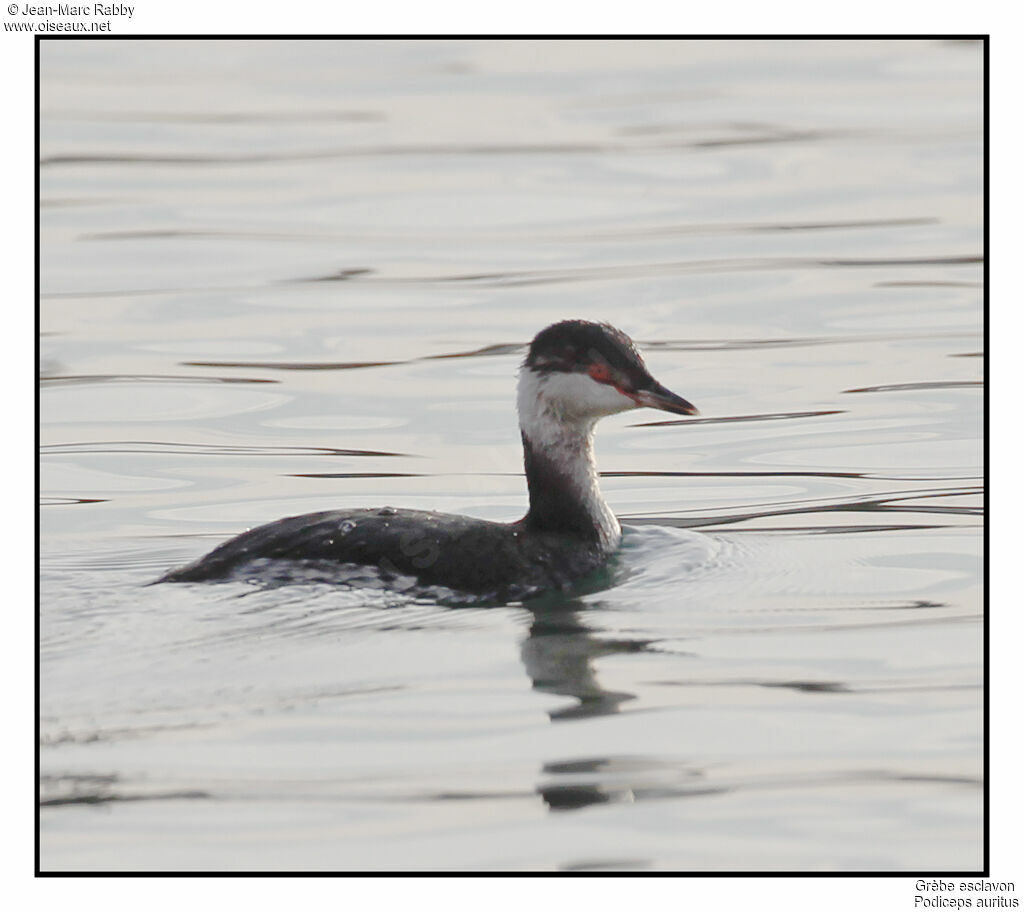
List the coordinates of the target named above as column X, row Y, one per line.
column 656, row 396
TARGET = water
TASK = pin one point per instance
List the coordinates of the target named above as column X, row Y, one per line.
column 286, row 276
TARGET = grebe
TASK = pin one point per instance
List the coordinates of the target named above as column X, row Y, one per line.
column 575, row 373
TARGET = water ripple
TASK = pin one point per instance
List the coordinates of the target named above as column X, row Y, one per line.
column 201, row 449
column 70, row 379
column 525, row 277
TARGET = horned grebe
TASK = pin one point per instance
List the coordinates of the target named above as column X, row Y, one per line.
column 575, row 373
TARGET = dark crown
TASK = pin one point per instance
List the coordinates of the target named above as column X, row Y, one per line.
column 574, row 345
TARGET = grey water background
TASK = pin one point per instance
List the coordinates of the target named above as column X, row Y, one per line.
column 285, row 276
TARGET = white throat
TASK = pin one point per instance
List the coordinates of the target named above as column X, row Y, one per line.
column 557, row 415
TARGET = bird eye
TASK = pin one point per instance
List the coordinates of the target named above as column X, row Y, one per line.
column 601, row 373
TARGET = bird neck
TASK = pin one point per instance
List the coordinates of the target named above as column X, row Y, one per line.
column 561, row 473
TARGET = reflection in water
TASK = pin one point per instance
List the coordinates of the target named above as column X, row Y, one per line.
column 558, row 655
column 634, row 779
column 606, row 780
column 559, row 652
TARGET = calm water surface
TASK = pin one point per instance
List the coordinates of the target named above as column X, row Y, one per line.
column 287, row 276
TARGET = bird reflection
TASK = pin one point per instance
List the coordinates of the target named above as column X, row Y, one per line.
column 558, row 655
